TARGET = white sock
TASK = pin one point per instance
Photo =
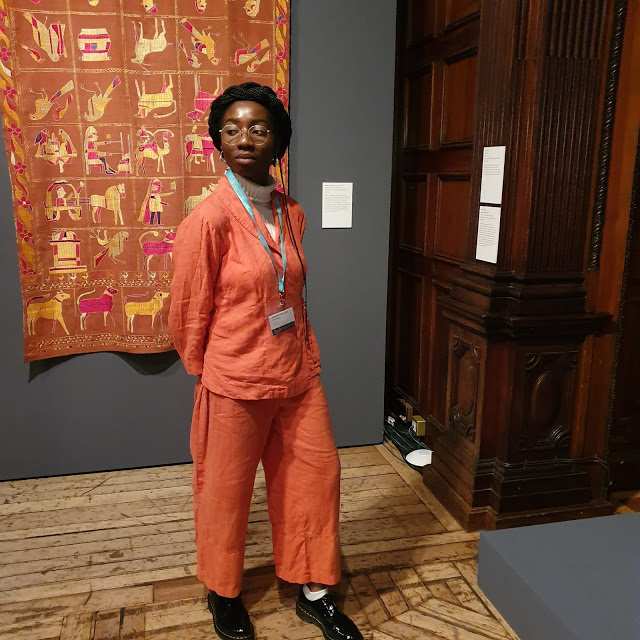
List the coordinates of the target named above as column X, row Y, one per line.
column 312, row 596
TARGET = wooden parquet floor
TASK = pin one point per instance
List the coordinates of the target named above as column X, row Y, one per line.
column 111, row 556
column 626, row 501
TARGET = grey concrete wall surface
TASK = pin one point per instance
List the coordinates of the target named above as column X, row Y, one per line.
column 115, row 411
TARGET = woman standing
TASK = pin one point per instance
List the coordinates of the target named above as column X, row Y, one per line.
column 238, row 320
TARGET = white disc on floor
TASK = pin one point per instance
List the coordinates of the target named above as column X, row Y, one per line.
column 419, row 457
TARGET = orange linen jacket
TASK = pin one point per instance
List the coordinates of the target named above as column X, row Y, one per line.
column 224, row 287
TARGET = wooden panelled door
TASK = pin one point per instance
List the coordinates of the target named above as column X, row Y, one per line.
column 435, row 114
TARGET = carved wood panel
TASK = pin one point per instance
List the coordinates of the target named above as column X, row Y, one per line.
column 606, row 130
column 435, row 115
column 414, row 204
column 409, row 337
column 624, row 438
column 418, row 122
column 465, row 363
column 452, row 217
column 439, row 356
column 458, row 10
column 419, row 19
column 458, row 94
column 571, row 75
column 548, row 381
column 515, row 327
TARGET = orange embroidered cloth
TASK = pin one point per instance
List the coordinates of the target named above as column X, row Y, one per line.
column 105, row 108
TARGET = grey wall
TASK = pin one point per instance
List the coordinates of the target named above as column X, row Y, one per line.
column 109, row 411
column 342, row 111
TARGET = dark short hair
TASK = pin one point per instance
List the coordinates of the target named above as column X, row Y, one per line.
column 252, row 92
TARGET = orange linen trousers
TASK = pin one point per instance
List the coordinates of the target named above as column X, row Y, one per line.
column 294, row 438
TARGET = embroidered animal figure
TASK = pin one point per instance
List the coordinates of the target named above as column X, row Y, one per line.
column 49, row 39
column 145, row 46
column 44, row 103
column 33, row 53
column 103, row 305
column 251, row 8
column 151, row 308
column 199, row 147
column 149, row 148
column 49, row 310
column 245, row 55
column 203, row 99
column 149, row 6
column 112, row 247
column 191, row 58
column 99, row 100
column 202, row 42
column 193, row 201
column 111, row 201
column 147, row 102
column 61, row 109
column 163, row 248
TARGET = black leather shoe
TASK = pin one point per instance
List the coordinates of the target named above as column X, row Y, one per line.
column 324, row 613
column 230, row 618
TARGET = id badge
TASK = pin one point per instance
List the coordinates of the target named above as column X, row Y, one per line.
column 281, row 318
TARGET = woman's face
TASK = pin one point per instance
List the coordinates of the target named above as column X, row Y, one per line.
column 245, row 155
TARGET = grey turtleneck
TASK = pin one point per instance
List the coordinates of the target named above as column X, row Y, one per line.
column 261, row 197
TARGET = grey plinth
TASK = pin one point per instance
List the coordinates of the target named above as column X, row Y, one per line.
column 576, row 580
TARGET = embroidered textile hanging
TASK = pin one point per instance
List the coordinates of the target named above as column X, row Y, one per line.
column 105, row 106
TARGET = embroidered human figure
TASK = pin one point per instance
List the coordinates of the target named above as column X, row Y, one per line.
column 94, row 155
column 153, row 205
column 148, row 147
column 199, row 148
column 56, row 150
column 60, row 200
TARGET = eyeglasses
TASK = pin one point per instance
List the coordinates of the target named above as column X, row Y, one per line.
column 231, row 134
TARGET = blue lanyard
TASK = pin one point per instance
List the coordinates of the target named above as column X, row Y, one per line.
column 247, row 205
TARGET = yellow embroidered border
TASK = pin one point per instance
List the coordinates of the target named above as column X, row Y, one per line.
column 15, row 153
